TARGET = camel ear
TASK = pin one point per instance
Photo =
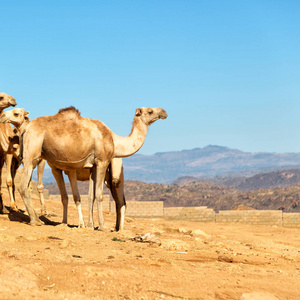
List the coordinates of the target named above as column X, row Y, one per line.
column 27, row 118
column 26, row 113
column 138, row 112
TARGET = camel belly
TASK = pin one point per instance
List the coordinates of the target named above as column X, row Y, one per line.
column 70, row 165
column 66, row 160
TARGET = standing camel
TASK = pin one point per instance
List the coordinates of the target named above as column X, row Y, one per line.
column 114, row 177
column 19, row 118
column 6, row 153
column 69, row 143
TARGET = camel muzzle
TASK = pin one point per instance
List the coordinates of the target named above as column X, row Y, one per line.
column 13, row 102
column 4, row 118
column 163, row 114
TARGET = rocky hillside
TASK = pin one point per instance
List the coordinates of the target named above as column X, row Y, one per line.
column 205, row 194
column 271, row 180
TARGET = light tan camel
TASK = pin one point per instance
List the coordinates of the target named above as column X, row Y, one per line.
column 6, row 152
column 19, row 118
column 114, row 177
column 70, row 142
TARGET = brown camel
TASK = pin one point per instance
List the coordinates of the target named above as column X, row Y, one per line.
column 114, row 178
column 6, row 152
column 19, row 118
column 70, row 142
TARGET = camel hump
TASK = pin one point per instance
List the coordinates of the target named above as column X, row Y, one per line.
column 71, row 109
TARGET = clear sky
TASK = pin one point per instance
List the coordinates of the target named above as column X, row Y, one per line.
column 226, row 72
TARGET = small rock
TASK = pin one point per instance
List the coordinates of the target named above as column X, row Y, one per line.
column 258, row 296
column 30, row 238
column 176, row 245
column 147, row 238
column 65, row 244
column 200, row 232
column 183, row 230
column 225, row 258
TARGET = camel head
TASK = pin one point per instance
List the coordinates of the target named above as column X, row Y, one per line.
column 6, row 101
column 16, row 116
column 150, row 115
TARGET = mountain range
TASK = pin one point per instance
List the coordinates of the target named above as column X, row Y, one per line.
column 204, row 163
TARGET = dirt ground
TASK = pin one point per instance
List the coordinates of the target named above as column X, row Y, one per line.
column 193, row 261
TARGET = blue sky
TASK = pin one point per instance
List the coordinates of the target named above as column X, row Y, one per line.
column 227, row 72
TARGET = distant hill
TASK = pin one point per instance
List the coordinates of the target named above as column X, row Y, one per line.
column 205, row 163
column 271, row 180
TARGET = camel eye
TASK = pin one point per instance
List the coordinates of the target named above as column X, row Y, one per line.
column 16, row 114
column 1, row 97
column 150, row 112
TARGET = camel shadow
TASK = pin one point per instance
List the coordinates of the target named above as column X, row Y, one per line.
column 19, row 216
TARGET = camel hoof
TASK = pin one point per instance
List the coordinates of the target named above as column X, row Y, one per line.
column 36, row 223
column 14, row 208
column 102, row 228
column 63, row 225
column 4, row 210
column 90, row 226
column 44, row 213
column 81, row 226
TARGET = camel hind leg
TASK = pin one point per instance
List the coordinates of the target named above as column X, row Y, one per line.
column 101, row 167
column 91, row 198
column 57, row 173
column 73, row 181
column 116, row 185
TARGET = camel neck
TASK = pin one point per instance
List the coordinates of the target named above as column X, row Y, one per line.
column 22, row 128
column 127, row 146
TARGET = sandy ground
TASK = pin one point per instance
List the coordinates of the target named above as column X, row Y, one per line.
column 193, row 261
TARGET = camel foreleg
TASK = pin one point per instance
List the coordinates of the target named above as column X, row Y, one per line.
column 2, row 207
column 40, row 186
column 73, row 181
column 26, row 194
column 10, row 181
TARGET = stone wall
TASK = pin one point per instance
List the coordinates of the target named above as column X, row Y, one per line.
column 254, row 217
column 200, row 214
column 291, row 220
column 139, row 209
column 156, row 209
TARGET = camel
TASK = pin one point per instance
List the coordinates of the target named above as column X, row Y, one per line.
column 19, row 118
column 69, row 143
column 114, row 178
column 6, row 153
